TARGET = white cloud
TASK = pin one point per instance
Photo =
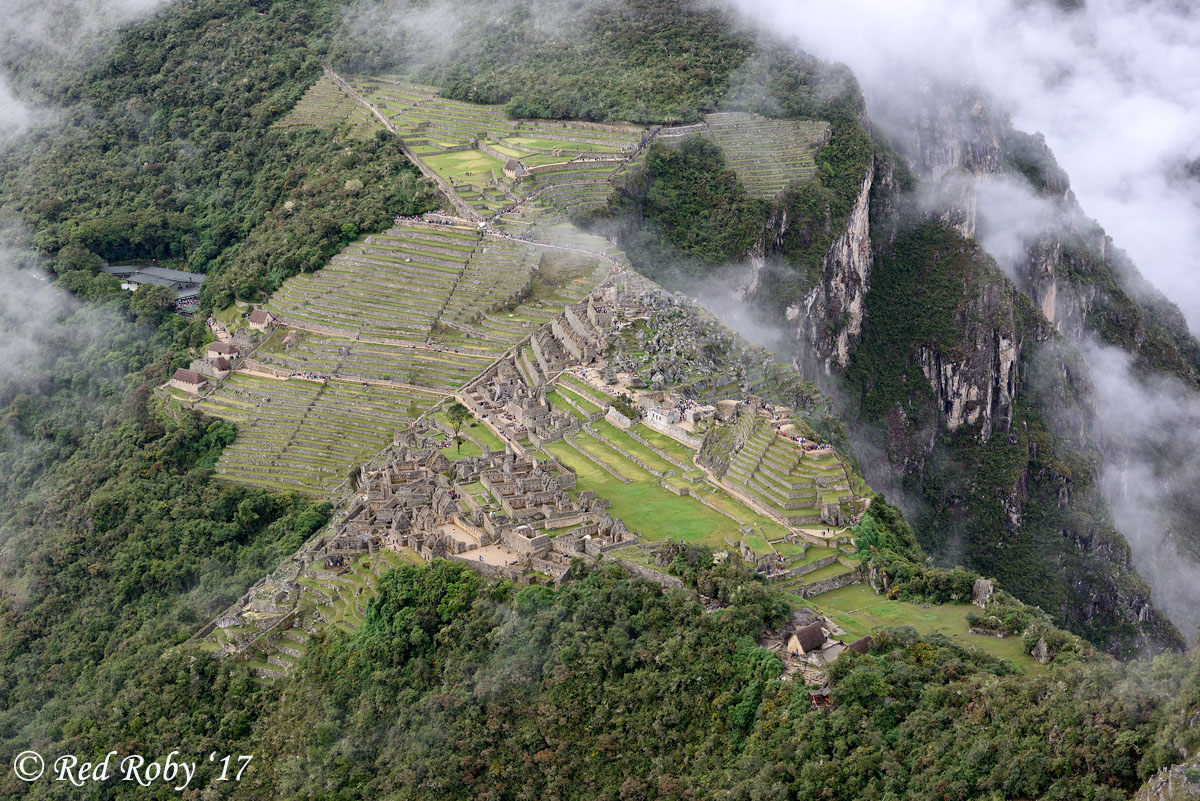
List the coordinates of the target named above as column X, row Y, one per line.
column 1113, row 87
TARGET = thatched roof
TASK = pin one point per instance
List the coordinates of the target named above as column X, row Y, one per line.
column 861, row 645
column 810, row 637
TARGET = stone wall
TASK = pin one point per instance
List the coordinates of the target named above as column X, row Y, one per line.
column 525, row 545
column 599, row 463
column 619, row 420
column 650, row 574
column 831, row 583
column 625, row 453
column 661, row 454
column 675, row 432
column 595, row 547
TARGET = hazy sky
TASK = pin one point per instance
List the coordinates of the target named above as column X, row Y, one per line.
column 1115, row 88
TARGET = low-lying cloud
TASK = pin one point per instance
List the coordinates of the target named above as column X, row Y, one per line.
column 1150, row 433
column 1112, row 86
column 41, row 43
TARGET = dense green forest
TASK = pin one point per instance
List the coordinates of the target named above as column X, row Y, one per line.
column 117, row 543
column 638, row 61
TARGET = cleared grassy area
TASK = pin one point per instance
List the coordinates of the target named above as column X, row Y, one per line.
column 457, row 165
column 767, row 527
column 667, row 445
column 829, row 571
column 484, row 435
column 645, row 506
column 628, row 443
column 582, row 402
column 556, row 402
column 562, row 144
column 859, row 611
column 813, row 554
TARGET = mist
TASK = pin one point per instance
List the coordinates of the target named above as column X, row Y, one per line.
column 1150, row 433
column 43, row 43
column 1112, row 86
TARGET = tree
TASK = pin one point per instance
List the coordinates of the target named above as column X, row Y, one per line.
column 458, row 415
column 150, row 301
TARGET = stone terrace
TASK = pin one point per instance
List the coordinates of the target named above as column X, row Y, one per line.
column 391, row 285
column 767, row 154
column 303, row 435
column 326, row 106
column 803, row 487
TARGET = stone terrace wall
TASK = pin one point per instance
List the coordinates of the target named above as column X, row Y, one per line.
column 650, row 574
column 831, row 583
column 675, row 432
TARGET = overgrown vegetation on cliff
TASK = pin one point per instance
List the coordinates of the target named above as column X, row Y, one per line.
column 995, row 505
column 685, row 216
column 648, row 61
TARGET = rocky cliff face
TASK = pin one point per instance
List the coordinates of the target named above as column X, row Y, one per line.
column 975, row 382
column 1178, row 783
column 963, row 151
column 828, row 320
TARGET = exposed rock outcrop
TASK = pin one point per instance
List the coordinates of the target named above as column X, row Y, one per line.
column 828, row 320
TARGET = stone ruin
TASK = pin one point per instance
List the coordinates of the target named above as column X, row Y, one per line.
column 517, row 520
column 511, row 394
column 505, row 399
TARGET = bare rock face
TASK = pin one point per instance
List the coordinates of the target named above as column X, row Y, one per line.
column 982, row 592
column 976, row 386
column 828, row 320
column 1064, row 262
column 1041, row 651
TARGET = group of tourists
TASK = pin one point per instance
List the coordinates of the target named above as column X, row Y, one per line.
column 308, row 375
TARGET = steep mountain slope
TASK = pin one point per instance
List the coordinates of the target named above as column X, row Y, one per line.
column 954, row 381
column 118, row 541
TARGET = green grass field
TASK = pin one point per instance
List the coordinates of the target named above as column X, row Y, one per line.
column 727, row 503
column 859, row 611
column 476, row 162
column 671, row 447
column 566, row 146
column 645, row 506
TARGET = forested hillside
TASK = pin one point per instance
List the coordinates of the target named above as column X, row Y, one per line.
column 118, row 542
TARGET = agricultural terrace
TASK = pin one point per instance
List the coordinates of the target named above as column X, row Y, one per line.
column 325, row 105
column 792, row 482
column 568, row 166
column 305, row 435
column 637, row 498
column 417, row 282
column 437, row 368
column 767, row 154
column 603, row 458
column 395, row 323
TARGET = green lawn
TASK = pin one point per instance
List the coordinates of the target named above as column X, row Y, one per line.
column 727, row 503
column 581, row 401
column 566, row 146
column 647, row 507
column 556, row 402
column 478, row 163
column 485, row 436
column 463, row 451
column 813, row 554
column 623, row 440
column 859, row 611
column 829, row 571
column 669, row 446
